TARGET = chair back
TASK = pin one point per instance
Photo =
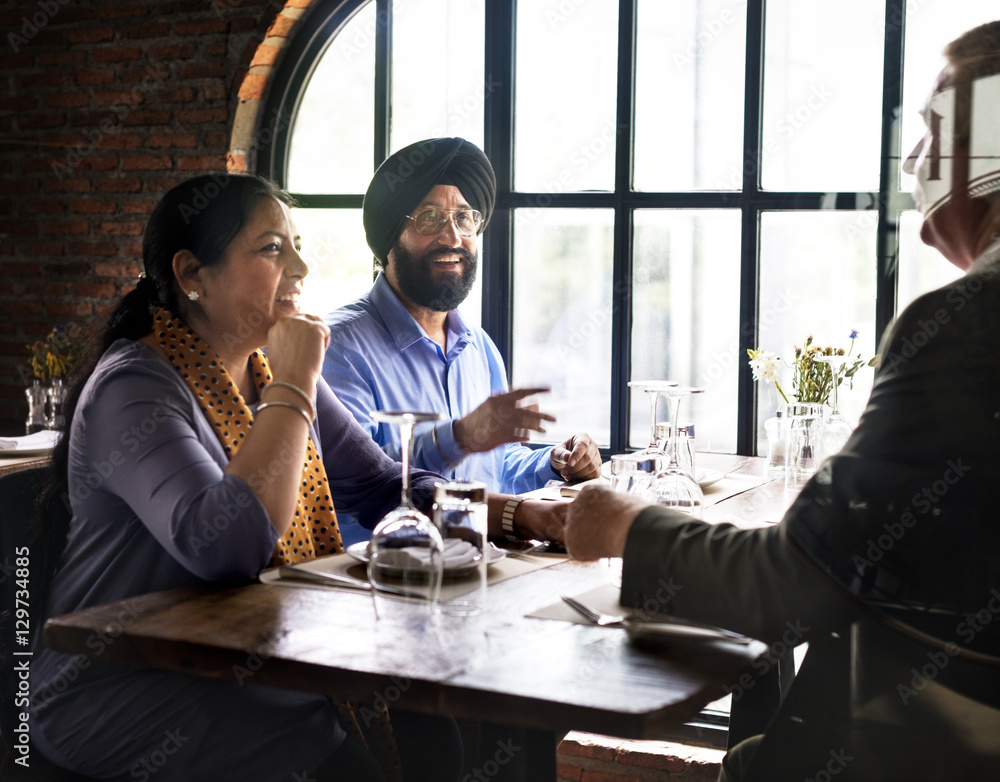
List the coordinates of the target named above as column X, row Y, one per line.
column 921, row 711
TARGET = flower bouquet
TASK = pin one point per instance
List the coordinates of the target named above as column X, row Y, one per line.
column 52, row 361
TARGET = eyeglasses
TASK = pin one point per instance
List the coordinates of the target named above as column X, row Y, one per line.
column 431, row 220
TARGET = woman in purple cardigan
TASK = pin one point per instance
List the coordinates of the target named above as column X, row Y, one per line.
column 191, row 457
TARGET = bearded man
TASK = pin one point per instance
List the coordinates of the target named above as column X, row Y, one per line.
column 405, row 346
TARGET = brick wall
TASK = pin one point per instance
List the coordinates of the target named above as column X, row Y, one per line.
column 105, row 105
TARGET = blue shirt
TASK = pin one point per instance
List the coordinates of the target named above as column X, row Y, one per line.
column 380, row 358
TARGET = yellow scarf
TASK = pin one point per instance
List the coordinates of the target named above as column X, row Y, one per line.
column 314, row 530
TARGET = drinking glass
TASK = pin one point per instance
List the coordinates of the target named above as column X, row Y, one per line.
column 655, row 389
column 635, row 473
column 460, row 514
column 805, row 420
column 675, row 487
column 405, row 552
column 836, row 430
column 685, row 447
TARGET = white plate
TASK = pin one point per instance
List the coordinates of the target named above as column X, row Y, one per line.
column 359, row 551
column 37, row 444
column 705, row 477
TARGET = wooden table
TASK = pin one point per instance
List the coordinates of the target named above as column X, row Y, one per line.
column 504, row 667
column 9, row 464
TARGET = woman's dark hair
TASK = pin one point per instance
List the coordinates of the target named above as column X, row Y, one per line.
column 201, row 215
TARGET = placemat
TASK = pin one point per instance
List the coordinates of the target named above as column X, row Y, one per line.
column 344, row 564
column 603, row 598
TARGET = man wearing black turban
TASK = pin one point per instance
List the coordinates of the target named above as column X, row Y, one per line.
column 403, row 345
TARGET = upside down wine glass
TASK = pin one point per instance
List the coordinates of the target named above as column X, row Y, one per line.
column 405, row 552
column 655, row 389
column 676, row 488
column 835, row 430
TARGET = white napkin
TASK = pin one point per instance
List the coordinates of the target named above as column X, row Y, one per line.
column 457, row 553
column 30, row 442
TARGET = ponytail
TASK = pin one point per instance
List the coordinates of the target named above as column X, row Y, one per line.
column 201, row 215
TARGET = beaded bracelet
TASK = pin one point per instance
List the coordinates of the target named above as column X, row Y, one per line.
column 288, row 405
column 507, row 519
column 296, row 389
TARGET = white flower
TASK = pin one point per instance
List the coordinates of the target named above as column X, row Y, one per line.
column 765, row 365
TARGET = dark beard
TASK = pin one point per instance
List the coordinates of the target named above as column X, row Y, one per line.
column 417, row 285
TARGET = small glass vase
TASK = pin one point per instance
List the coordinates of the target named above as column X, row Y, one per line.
column 803, row 442
column 36, row 394
column 55, row 418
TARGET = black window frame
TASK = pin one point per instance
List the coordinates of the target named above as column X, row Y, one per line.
column 328, row 17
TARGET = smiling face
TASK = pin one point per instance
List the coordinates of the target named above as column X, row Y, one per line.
column 259, row 279
column 434, row 272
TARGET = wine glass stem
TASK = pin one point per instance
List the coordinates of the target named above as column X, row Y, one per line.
column 405, row 455
column 654, row 397
column 675, row 417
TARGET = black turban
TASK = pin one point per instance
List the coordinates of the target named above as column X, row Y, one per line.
column 406, row 177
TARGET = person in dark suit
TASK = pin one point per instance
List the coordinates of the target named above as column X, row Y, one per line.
column 904, row 522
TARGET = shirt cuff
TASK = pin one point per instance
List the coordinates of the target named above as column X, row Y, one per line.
column 444, row 441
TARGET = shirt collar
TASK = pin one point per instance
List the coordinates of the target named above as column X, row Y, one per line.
column 403, row 327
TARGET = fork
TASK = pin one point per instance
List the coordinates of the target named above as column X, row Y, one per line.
column 598, row 618
column 615, row 620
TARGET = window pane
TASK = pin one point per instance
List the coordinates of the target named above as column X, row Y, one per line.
column 562, row 315
column 340, row 263
column 331, row 142
column 564, row 112
column 437, row 92
column 817, row 279
column 689, row 95
column 930, row 25
column 921, row 268
column 822, row 95
column 685, row 319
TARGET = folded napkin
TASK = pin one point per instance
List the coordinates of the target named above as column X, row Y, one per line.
column 30, row 442
column 457, row 553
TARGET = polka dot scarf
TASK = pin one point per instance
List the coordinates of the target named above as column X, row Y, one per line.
column 314, row 529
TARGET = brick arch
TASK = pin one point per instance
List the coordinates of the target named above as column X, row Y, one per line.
column 262, row 58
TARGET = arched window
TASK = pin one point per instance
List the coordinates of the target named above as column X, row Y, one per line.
column 678, row 182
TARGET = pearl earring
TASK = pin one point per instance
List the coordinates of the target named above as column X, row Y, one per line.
column 193, row 295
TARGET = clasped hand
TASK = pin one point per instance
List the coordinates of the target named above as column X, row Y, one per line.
column 296, row 347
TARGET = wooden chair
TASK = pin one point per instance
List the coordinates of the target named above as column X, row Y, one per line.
column 19, row 493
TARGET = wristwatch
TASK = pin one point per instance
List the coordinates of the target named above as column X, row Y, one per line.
column 507, row 519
